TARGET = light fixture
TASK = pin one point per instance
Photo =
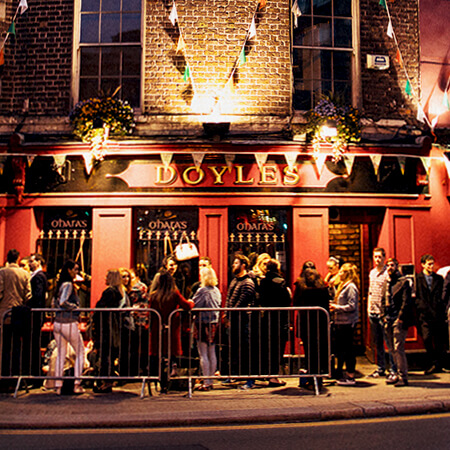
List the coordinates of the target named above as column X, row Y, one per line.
column 328, row 129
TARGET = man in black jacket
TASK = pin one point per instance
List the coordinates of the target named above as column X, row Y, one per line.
column 431, row 314
column 397, row 317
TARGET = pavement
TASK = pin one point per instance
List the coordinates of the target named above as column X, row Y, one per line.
column 124, row 407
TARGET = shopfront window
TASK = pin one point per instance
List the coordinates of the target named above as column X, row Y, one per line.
column 159, row 230
column 253, row 231
column 67, row 234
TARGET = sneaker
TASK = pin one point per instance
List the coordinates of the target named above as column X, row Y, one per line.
column 392, row 378
column 229, row 381
column 401, row 382
column 346, row 382
column 249, row 385
column 430, row 370
column 377, row 374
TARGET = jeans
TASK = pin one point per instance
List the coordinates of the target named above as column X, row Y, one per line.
column 395, row 340
column 208, row 360
column 378, row 339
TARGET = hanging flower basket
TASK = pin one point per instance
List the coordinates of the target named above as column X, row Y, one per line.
column 343, row 119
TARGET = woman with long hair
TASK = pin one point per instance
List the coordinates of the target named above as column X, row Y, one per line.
column 208, row 296
column 345, row 309
column 166, row 298
column 107, row 328
column 65, row 326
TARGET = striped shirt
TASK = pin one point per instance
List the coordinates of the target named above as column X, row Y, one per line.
column 376, row 282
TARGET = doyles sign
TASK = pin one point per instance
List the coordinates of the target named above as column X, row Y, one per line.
column 67, row 219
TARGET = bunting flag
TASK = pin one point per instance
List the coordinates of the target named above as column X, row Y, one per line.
column 23, row 6
column 12, row 28
column 445, row 101
column 319, row 159
column 198, row 159
column 187, row 74
column 348, row 161
column 173, row 17
column 376, row 160
column 261, row 159
column 242, row 57
column 88, row 162
column 262, row 4
column 383, row 4
column 2, row 60
column 296, row 11
column 402, row 163
column 420, row 114
column 434, row 122
column 398, row 58
column 291, row 157
column 229, row 159
column 390, row 30
column 166, row 159
column 30, row 159
column 447, row 164
column 408, row 89
column 60, row 160
column 181, row 44
column 2, row 164
column 252, row 30
column 426, row 161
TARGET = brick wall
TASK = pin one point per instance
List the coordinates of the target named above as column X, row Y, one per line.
column 383, row 92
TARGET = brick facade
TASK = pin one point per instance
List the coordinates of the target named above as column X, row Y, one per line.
column 38, row 65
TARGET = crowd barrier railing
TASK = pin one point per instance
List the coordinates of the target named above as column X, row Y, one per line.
column 132, row 344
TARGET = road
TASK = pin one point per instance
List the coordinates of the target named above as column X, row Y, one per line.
column 415, row 432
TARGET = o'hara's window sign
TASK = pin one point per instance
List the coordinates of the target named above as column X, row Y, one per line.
column 172, row 220
column 67, row 219
column 260, row 221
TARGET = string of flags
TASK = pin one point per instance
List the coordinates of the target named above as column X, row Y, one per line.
column 21, row 8
column 241, row 59
column 409, row 90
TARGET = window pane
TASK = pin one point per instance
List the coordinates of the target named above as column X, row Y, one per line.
column 109, row 85
column 110, row 61
column 131, row 28
column 90, row 5
column 344, row 90
column 88, row 88
column 89, row 28
column 342, row 65
column 89, row 58
column 305, row 6
column 111, row 5
column 131, row 91
column 322, row 64
column 322, row 7
column 303, row 34
column 343, row 33
column 302, row 64
column 322, row 31
column 343, row 8
column 302, row 95
column 131, row 5
column 110, row 28
column 131, row 61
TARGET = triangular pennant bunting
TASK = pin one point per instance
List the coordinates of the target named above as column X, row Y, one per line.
column 447, row 164
column 291, row 157
column 408, row 89
column 23, row 6
column 229, row 159
column 2, row 164
column 261, row 159
column 402, row 163
column 198, row 159
column 186, row 74
column 296, row 11
column 434, row 122
column 390, row 30
column 252, row 30
column 376, row 160
column 445, row 101
column 320, row 159
column 166, row 159
column 398, row 58
column 420, row 114
column 173, row 17
column 426, row 161
column 88, row 162
column 30, row 159
column 181, row 44
column 383, row 3
column 242, row 57
column 2, row 60
column 12, row 29
column 60, row 160
column 348, row 161
column 262, row 4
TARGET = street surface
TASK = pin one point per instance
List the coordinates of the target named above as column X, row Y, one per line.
column 406, row 432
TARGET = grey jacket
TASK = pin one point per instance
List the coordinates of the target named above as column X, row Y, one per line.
column 346, row 312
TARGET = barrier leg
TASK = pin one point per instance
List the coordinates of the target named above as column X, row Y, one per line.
column 189, row 387
column 316, row 386
column 19, row 380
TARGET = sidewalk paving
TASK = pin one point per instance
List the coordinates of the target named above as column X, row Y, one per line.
column 227, row 405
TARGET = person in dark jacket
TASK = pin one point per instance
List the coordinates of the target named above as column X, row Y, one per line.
column 273, row 293
column 397, row 316
column 431, row 314
column 107, row 328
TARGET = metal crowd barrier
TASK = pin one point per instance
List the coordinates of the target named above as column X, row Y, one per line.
column 250, row 344
column 131, row 344
column 116, row 346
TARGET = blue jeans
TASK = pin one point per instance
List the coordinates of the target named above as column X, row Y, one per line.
column 378, row 339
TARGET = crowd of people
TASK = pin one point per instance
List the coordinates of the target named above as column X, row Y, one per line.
column 131, row 343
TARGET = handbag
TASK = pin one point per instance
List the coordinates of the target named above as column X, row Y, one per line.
column 185, row 250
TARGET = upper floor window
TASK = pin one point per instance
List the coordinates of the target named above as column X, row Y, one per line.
column 323, row 51
column 110, row 49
